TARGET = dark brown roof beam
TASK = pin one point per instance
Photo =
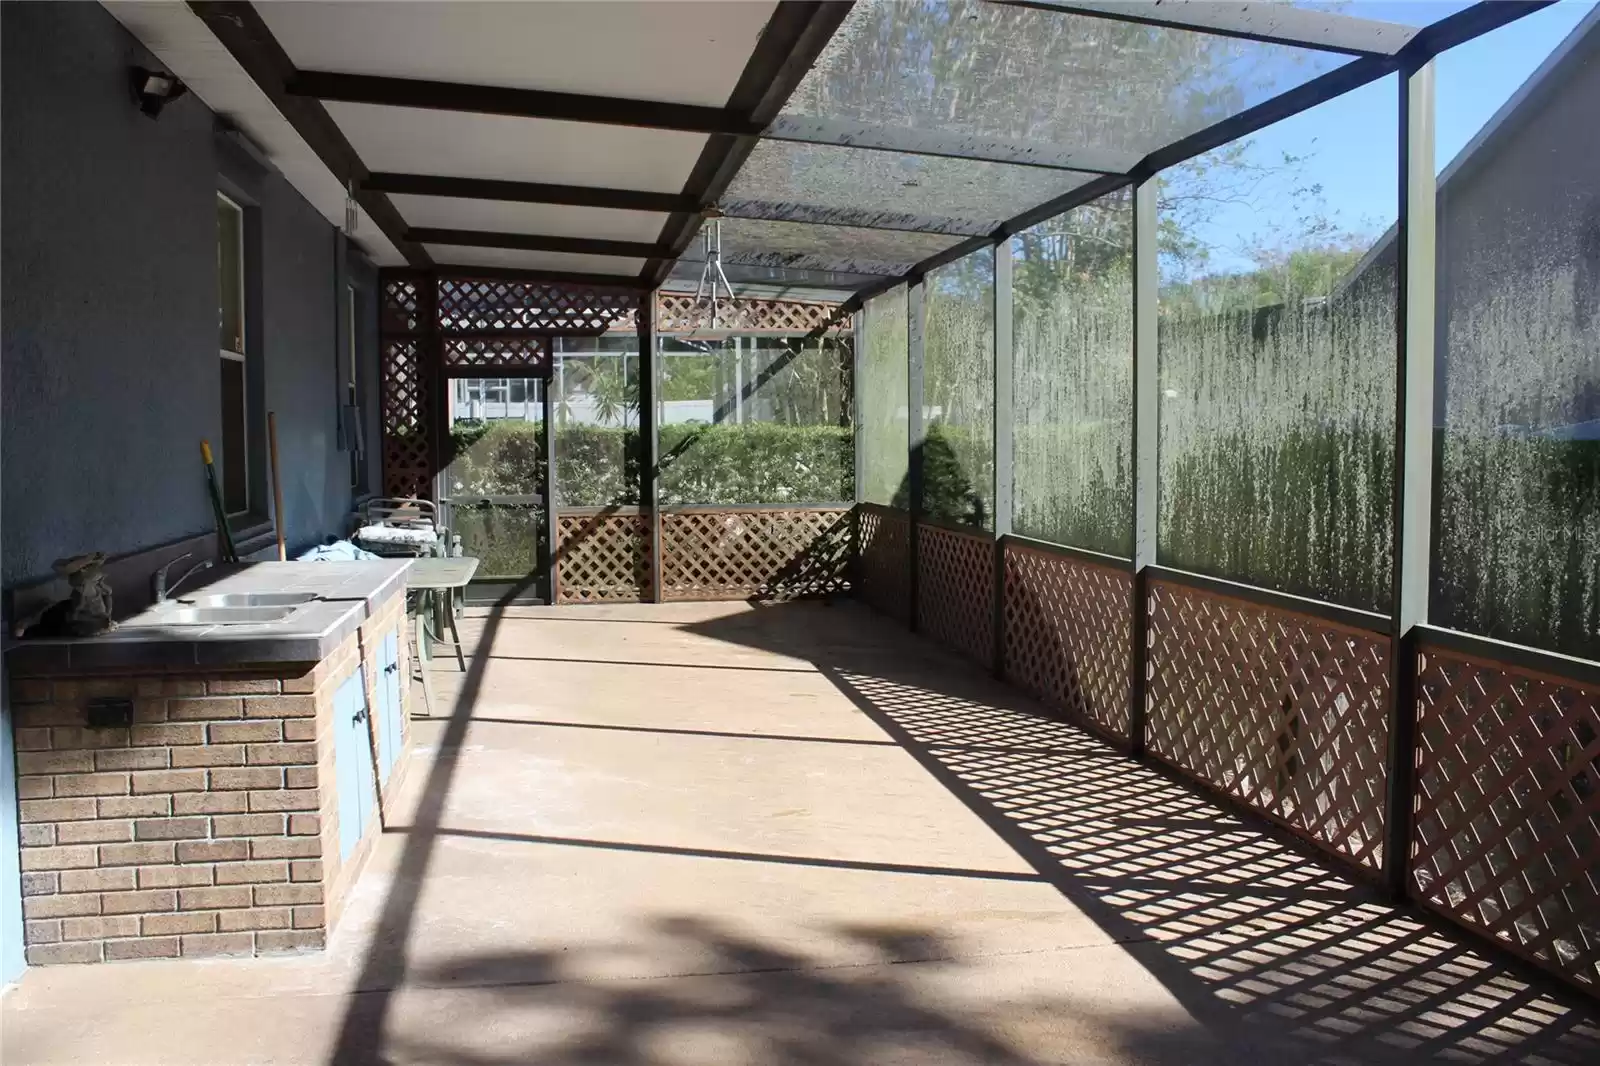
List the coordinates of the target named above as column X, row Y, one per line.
column 472, row 238
column 521, row 103
column 246, row 37
column 467, row 272
column 529, row 192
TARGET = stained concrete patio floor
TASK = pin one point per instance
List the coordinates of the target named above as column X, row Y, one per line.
column 714, row 834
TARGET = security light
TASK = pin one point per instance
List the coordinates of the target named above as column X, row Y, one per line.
column 154, row 90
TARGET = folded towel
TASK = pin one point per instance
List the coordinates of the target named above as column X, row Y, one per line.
column 412, row 536
column 339, row 551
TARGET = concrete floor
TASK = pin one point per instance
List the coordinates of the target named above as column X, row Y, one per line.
column 796, row 836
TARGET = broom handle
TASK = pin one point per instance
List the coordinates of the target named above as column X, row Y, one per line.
column 225, row 547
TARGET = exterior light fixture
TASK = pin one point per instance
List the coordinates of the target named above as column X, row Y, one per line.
column 154, row 90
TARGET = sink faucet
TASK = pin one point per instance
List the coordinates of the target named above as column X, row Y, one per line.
column 162, row 589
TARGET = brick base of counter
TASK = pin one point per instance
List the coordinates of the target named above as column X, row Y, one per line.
column 210, row 827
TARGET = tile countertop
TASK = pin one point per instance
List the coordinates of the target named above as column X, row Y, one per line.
column 347, row 593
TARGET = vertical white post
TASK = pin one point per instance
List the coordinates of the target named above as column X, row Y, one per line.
column 1004, row 423
column 1412, row 514
column 1146, row 375
column 916, row 430
column 1146, row 412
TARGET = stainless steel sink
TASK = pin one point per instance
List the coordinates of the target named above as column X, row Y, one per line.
column 217, row 616
column 248, row 599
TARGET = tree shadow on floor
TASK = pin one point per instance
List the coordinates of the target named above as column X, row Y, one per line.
column 749, row 1001
column 1253, row 934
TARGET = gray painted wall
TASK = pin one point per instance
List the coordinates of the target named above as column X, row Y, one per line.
column 108, row 324
column 109, row 290
column 108, row 295
column 301, row 345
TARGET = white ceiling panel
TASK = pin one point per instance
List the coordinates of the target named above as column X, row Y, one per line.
column 458, row 255
column 550, row 220
column 414, row 141
column 679, row 52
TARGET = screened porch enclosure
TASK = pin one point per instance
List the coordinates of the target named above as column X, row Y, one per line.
column 750, row 424
column 1201, row 372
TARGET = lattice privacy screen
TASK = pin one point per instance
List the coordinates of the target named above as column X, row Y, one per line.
column 407, row 433
column 1283, row 711
column 1069, row 634
column 407, row 382
column 733, row 553
column 403, row 310
column 513, row 356
column 488, row 305
column 682, row 313
column 955, row 589
column 432, row 326
column 602, row 557
column 1507, row 828
column 883, row 554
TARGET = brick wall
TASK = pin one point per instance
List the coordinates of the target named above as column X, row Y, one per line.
column 208, row 827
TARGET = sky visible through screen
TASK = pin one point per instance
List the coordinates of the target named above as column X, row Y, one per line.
column 1339, row 141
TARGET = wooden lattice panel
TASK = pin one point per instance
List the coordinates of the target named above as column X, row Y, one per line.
column 484, row 304
column 883, row 552
column 1069, row 634
column 528, row 355
column 1506, row 833
column 407, row 442
column 402, row 310
column 602, row 558
column 1283, row 711
column 682, row 313
column 955, row 589
column 728, row 554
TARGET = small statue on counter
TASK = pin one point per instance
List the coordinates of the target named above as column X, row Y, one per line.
column 87, row 611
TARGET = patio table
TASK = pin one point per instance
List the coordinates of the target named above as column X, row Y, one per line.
column 435, row 582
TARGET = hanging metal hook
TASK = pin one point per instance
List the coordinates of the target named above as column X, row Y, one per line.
column 711, row 274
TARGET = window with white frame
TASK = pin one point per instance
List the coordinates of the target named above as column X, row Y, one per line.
column 233, row 447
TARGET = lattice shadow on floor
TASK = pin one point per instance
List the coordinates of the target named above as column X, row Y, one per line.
column 1248, row 931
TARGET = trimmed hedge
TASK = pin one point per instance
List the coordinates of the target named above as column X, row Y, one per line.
column 756, row 463
column 728, row 463
column 597, row 466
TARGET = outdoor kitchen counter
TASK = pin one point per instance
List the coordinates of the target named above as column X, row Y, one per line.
column 197, row 790
column 347, row 594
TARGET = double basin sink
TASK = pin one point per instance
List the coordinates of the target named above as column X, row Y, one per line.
column 235, row 609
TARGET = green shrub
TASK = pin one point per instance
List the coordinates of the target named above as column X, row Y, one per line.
column 957, row 475
column 1306, row 512
column 597, row 466
column 497, row 459
column 756, row 463
column 505, row 538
